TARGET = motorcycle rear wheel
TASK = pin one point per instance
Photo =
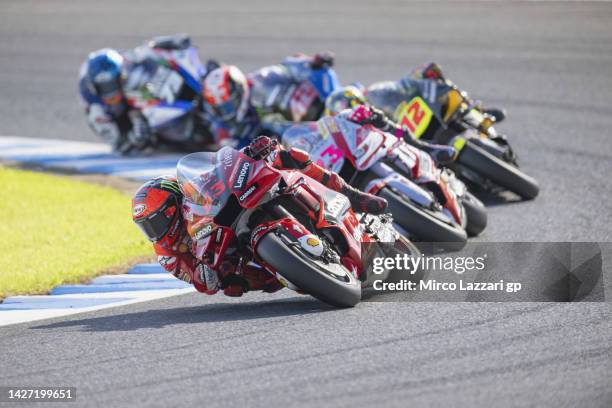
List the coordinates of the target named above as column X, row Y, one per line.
column 422, row 225
column 331, row 283
column 498, row 171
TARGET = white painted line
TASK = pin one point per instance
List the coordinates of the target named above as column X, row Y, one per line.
column 143, row 283
column 85, row 157
column 63, row 306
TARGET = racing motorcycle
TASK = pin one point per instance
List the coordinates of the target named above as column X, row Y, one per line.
column 165, row 86
column 440, row 112
column 429, row 204
column 287, row 94
column 303, row 233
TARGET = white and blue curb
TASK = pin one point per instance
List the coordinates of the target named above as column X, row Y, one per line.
column 85, row 157
column 142, row 283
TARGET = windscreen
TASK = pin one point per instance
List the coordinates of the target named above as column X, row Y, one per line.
column 205, row 178
column 305, row 136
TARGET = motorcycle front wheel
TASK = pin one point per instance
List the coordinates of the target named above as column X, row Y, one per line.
column 498, row 171
column 476, row 214
column 330, row 282
column 424, row 226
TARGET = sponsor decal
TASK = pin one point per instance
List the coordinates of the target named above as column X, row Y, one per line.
column 313, row 242
column 219, row 235
column 174, row 229
column 247, row 193
column 184, row 276
column 203, row 232
column 243, row 175
column 272, row 156
column 139, row 210
column 335, row 205
column 166, row 260
column 259, row 229
column 286, row 98
column 227, row 158
column 208, row 276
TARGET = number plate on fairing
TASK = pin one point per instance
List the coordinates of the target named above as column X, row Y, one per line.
column 415, row 115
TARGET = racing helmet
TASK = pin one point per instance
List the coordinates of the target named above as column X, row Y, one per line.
column 344, row 98
column 104, row 74
column 156, row 210
column 226, row 93
column 261, row 147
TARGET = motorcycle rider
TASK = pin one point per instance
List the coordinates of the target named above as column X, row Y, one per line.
column 267, row 101
column 157, row 209
column 351, row 103
column 433, row 71
column 102, row 86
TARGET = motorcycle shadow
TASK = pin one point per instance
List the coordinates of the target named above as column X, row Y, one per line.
column 493, row 199
column 206, row 313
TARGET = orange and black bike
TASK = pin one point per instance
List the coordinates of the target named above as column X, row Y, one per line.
column 437, row 110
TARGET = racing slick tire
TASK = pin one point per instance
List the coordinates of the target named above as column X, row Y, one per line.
column 498, row 171
column 423, row 225
column 476, row 214
column 331, row 283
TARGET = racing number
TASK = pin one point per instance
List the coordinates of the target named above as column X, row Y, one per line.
column 170, row 87
column 415, row 115
column 334, row 152
column 301, row 100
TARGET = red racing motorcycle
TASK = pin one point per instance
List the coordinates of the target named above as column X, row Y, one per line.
column 303, row 233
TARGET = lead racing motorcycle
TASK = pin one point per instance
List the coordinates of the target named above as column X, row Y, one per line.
column 303, row 233
column 438, row 111
column 427, row 203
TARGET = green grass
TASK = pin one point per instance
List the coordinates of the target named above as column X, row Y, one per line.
column 56, row 230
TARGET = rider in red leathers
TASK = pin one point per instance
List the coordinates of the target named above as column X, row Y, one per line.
column 157, row 209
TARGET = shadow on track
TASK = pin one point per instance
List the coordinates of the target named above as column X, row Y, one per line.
column 491, row 199
column 208, row 313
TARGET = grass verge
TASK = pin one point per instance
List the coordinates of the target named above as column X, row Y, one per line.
column 56, row 230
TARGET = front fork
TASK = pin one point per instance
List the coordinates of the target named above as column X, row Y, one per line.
column 390, row 177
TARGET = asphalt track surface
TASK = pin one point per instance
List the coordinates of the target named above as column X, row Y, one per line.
column 549, row 64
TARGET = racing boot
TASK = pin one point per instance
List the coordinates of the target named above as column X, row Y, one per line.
column 360, row 201
column 498, row 114
column 442, row 154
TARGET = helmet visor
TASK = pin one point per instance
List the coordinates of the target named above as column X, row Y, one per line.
column 109, row 90
column 227, row 110
column 157, row 225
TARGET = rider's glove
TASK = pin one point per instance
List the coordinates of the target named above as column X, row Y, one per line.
column 103, row 124
column 322, row 60
column 139, row 136
column 378, row 118
column 364, row 115
column 361, row 115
